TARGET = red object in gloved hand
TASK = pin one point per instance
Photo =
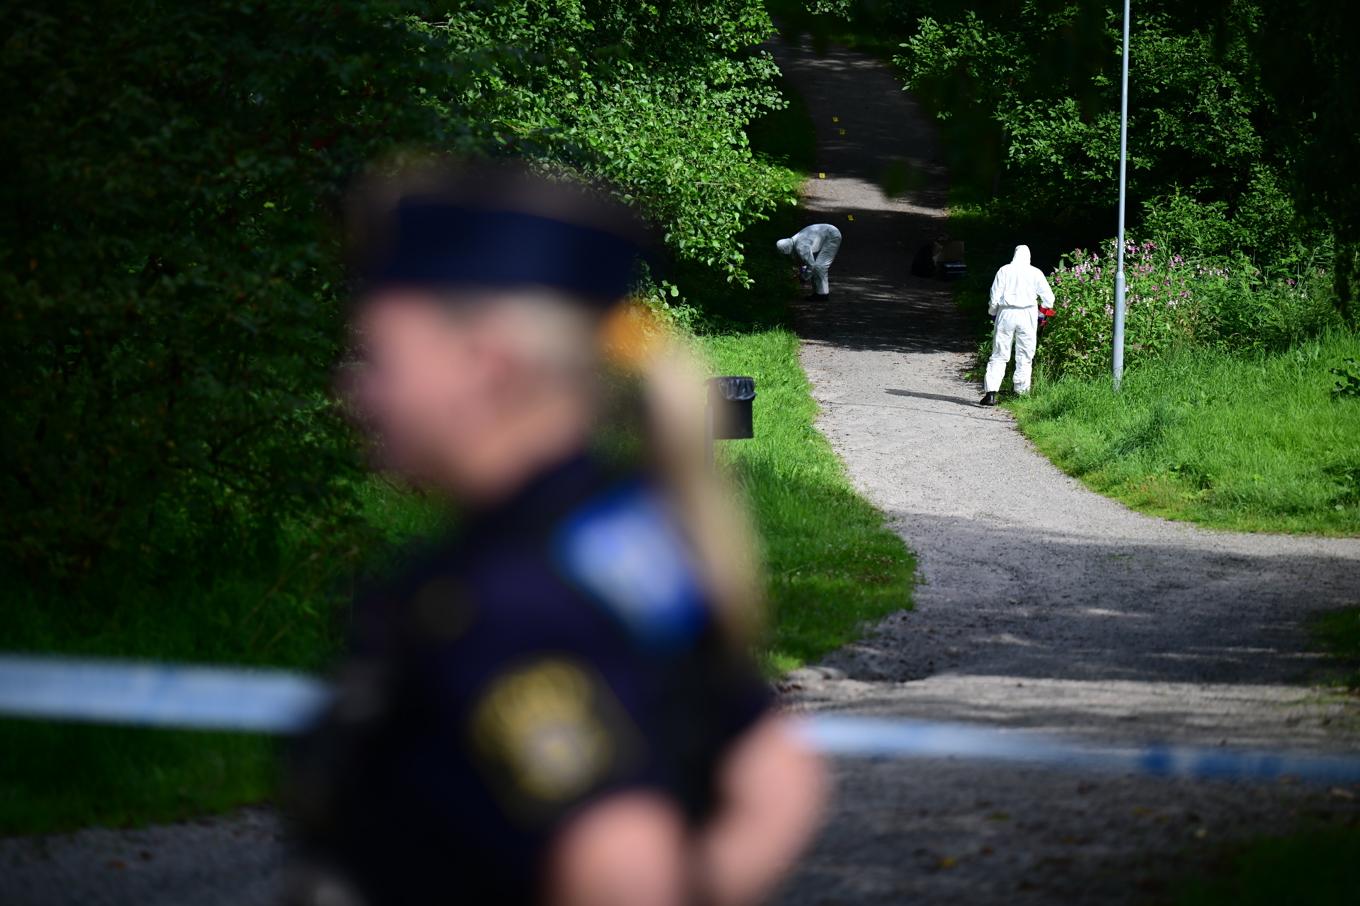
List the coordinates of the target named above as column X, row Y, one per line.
column 1044, row 315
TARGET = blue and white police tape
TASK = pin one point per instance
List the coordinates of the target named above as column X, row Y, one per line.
column 278, row 701
column 880, row 737
column 158, row 695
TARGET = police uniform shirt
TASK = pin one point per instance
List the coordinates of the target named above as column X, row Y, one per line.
column 560, row 651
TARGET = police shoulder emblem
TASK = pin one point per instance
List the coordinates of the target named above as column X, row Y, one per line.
column 625, row 552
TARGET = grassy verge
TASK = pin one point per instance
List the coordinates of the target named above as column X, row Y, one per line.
column 1251, row 444
column 1242, row 443
column 1317, row 867
column 833, row 564
column 1338, row 634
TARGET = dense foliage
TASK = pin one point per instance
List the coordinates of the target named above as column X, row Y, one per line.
column 1174, row 303
column 171, row 288
column 1039, row 82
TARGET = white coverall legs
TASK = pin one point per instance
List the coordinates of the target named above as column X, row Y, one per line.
column 821, row 263
column 1021, row 327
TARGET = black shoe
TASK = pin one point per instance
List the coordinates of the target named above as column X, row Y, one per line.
column 988, row 399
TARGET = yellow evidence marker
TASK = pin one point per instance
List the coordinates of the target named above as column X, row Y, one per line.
column 849, row 216
column 821, row 176
column 835, row 119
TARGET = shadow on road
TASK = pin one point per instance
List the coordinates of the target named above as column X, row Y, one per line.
column 939, row 397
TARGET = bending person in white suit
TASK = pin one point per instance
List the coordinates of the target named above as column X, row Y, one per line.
column 816, row 247
column 1014, row 304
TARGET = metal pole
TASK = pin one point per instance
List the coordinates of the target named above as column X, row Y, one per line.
column 1123, row 189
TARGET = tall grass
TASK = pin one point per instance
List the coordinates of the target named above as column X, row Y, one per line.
column 1253, row 443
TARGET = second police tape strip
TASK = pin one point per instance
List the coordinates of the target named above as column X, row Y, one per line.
column 284, row 702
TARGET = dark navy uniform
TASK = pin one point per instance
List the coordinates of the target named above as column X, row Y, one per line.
column 559, row 650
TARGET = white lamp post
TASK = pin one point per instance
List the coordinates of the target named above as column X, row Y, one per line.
column 1118, row 361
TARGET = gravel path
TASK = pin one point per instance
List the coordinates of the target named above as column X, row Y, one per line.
column 1043, row 606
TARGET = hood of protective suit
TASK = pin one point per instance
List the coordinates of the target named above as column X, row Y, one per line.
column 785, row 246
column 1021, row 255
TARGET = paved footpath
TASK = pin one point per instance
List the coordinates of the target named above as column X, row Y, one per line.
column 1042, row 605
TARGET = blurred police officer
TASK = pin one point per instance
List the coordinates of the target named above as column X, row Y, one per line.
column 557, row 704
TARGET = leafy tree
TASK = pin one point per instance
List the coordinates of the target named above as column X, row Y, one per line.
column 1040, row 80
column 172, row 298
column 654, row 98
column 1310, row 64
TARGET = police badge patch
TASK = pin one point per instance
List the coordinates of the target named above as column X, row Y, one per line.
column 546, row 732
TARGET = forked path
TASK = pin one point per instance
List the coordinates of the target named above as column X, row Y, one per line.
column 1042, row 605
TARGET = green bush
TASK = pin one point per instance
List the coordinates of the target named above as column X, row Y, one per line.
column 1030, row 94
column 1262, row 224
column 1173, row 303
column 173, row 297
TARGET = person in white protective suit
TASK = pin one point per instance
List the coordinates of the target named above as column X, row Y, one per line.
column 816, row 246
column 1014, row 305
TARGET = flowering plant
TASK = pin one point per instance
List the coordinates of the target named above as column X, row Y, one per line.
column 1162, row 310
column 1172, row 302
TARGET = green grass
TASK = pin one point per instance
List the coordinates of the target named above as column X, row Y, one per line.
column 1338, row 634
column 1316, row 868
column 1250, row 444
column 1242, row 443
column 54, row 777
column 833, row 564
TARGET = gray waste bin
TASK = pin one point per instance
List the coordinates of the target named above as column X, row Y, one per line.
column 731, row 401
